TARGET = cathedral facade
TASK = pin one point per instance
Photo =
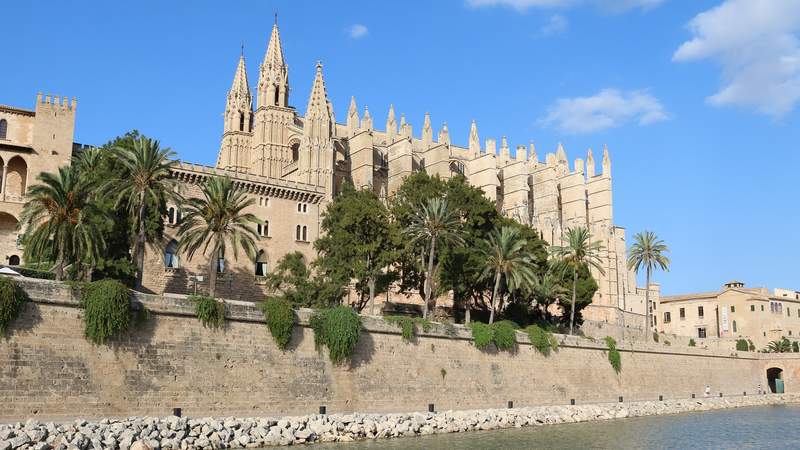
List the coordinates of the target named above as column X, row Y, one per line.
column 293, row 164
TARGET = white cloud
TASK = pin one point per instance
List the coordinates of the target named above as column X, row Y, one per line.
column 608, row 108
column 357, row 31
column 756, row 44
column 556, row 24
column 521, row 5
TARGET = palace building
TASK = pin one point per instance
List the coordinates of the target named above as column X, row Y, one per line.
column 293, row 163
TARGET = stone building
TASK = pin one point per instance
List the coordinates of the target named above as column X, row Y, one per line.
column 734, row 311
column 31, row 142
column 294, row 164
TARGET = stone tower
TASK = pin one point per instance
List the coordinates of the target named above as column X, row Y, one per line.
column 316, row 148
column 237, row 133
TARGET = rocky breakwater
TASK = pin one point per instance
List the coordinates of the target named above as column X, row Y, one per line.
column 209, row 433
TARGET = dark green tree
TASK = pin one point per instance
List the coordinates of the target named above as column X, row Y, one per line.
column 358, row 243
column 294, row 282
column 580, row 251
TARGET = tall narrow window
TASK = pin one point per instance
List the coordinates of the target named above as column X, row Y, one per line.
column 305, row 234
column 683, row 313
column 261, row 264
column 734, row 326
column 241, row 121
column 700, row 312
column 171, row 260
column 221, row 262
column 297, row 233
column 277, row 96
column 171, row 216
column 3, row 128
column 295, row 152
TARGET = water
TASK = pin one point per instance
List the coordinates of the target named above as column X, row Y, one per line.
column 767, row 427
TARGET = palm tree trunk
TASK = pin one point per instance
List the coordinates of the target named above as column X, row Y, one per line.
column 494, row 296
column 574, row 295
column 58, row 268
column 429, row 279
column 140, row 241
column 212, row 272
column 647, row 307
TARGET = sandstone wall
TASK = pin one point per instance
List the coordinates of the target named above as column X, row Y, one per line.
column 49, row 370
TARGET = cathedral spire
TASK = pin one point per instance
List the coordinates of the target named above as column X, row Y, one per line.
column 273, row 80
column 590, row 163
column 352, row 116
column 606, row 162
column 427, row 131
column 444, row 135
column 240, row 84
column 391, row 125
column 319, row 114
column 239, row 106
column 474, row 141
column 366, row 122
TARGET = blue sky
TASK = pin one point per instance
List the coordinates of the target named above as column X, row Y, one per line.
column 696, row 100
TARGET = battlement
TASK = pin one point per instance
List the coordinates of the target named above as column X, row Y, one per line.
column 54, row 101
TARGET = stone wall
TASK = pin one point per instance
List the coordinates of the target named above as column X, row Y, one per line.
column 49, row 370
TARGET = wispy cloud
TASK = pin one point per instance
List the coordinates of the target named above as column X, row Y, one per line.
column 556, row 24
column 755, row 43
column 357, row 31
column 608, row 108
column 522, row 5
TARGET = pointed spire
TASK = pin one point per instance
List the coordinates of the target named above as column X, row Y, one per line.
column 240, row 84
column 579, row 165
column 239, row 107
column 352, row 116
column 474, row 141
column 590, row 171
column 318, row 113
column 391, row 125
column 427, row 131
column 274, row 54
column 520, row 154
column 444, row 135
column 366, row 122
column 405, row 128
column 606, row 162
column 561, row 154
column 273, row 79
column 532, row 156
column 504, row 150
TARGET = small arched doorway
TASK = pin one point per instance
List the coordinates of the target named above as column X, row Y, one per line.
column 775, row 380
column 13, row 260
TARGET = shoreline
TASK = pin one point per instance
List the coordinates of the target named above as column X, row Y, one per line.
column 255, row 432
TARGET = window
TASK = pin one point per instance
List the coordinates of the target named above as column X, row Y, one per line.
column 261, row 264
column 305, row 234
column 221, row 262
column 790, row 332
column 667, row 318
column 295, row 152
column 682, row 313
column 299, row 207
column 734, row 326
column 762, row 308
column 701, row 332
column 733, row 309
column 241, row 121
column 305, row 207
column 263, row 229
column 171, row 260
column 752, row 308
column 13, row 260
column 3, row 128
column 263, row 201
column 700, row 312
column 297, row 233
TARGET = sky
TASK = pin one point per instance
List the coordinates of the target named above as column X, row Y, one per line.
column 696, row 100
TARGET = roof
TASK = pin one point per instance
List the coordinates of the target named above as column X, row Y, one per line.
column 14, row 109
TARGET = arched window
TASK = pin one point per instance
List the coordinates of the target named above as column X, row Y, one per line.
column 221, row 262
column 277, row 95
column 261, row 264
column 263, row 229
column 295, row 151
column 305, row 207
column 3, row 128
column 241, row 121
column 13, row 260
column 734, row 326
column 171, row 260
column 305, row 234
column 297, row 232
column 171, row 216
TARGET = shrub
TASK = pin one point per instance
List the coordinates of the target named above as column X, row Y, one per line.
column 613, row 354
column 751, row 346
column 338, row 329
column 279, row 316
column 107, row 309
column 795, row 347
column 33, row 273
column 692, row 343
column 11, row 298
column 503, row 334
column 408, row 325
column 542, row 340
column 742, row 345
column 209, row 311
column 655, row 336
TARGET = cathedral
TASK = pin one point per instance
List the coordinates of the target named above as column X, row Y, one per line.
column 293, row 164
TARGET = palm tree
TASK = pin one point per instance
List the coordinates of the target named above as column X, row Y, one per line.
column 60, row 220
column 781, row 346
column 433, row 223
column 506, row 257
column 146, row 184
column 214, row 221
column 579, row 251
column 546, row 289
column 650, row 252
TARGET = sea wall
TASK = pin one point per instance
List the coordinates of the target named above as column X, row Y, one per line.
column 49, row 370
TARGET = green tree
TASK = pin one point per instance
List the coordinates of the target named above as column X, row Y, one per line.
column 358, row 242
column 146, row 183
column 579, row 251
column 546, row 289
column 781, row 346
column 505, row 258
column 216, row 221
column 292, row 281
column 648, row 252
column 434, row 223
column 60, row 221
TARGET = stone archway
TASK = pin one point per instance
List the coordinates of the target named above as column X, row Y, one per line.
column 16, row 178
column 8, row 237
column 775, row 380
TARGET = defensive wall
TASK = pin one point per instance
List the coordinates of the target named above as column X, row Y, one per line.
column 49, row 370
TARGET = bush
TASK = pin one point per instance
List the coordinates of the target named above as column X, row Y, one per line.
column 692, row 343
column 752, row 346
column 408, row 325
column 742, row 345
column 338, row 329
column 613, row 354
column 33, row 273
column 279, row 316
column 795, row 347
column 655, row 336
column 210, row 312
column 542, row 340
column 503, row 334
column 11, row 298
column 107, row 309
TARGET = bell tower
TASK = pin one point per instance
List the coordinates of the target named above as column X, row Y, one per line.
column 234, row 152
